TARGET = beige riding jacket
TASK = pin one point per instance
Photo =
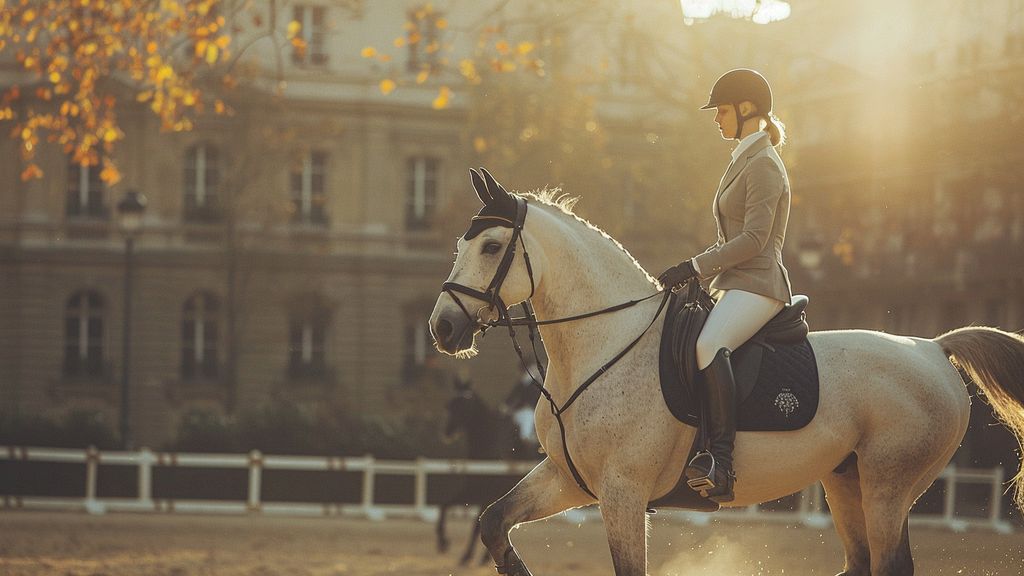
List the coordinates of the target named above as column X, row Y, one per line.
column 752, row 212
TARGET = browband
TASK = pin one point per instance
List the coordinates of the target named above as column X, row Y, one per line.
column 502, row 212
column 510, row 223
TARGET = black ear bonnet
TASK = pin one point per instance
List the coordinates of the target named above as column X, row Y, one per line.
column 499, row 206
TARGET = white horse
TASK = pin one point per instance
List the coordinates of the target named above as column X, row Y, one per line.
column 897, row 403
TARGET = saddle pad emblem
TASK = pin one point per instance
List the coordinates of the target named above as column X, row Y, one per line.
column 787, row 402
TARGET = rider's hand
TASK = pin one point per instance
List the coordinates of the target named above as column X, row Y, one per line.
column 678, row 274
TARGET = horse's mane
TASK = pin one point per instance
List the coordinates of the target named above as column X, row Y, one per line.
column 565, row 203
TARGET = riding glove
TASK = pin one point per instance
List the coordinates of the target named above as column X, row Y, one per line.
column 678, row 274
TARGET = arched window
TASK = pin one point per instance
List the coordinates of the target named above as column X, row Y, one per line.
column 83, row 334
column 199, row 337
column 308, row 322
column 202, row 181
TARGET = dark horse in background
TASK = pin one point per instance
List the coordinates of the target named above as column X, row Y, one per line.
column 489, row 436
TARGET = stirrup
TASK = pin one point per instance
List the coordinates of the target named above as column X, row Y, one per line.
column 702, row 483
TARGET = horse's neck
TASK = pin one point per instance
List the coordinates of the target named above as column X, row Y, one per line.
column 585, row 272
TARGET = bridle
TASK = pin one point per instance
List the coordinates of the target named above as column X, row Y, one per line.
column 492, row 300
column 490, row 295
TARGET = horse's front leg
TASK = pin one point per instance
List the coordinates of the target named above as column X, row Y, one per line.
column 624, row 509
column 471, row 544
column 541, row 493
column 442, row 538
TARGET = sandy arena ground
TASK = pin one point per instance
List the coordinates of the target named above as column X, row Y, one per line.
column 70, row 544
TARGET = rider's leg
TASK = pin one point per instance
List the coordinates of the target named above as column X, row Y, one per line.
column 735, row 318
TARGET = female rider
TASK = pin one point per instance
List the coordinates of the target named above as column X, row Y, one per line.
column 749, row 282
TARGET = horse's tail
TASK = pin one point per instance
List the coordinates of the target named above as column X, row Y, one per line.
column 994, row 359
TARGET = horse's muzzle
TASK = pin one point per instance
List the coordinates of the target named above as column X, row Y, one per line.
column 453, row 333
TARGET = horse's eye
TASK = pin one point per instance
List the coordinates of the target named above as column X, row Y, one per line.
column 492, row 247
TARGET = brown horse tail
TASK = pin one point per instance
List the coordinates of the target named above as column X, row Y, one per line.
column 994, row 359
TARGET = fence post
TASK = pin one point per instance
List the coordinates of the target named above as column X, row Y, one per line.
column 816, row 517
column 368, row 485
column 146, row 460
column 255, row 469
column 420, row 499
column 805, row 502
column 950, row 505
column 92, row 464
column 997, row 500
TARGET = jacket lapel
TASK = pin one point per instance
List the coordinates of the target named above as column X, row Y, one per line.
column 734, row 170
column 737, row 166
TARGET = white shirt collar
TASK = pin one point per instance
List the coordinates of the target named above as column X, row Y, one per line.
column 745, row 143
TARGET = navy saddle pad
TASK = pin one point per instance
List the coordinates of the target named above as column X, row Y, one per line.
column 776, row 373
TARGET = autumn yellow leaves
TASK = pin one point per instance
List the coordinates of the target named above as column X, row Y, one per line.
column 429, row 54
column 71, row 49
column 85, row 62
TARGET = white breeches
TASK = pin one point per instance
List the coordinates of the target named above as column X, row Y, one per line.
column 736, row 317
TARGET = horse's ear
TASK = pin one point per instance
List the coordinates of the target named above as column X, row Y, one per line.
column 496, row 190
column 479, row 186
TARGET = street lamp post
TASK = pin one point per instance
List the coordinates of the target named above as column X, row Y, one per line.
column 129, row 219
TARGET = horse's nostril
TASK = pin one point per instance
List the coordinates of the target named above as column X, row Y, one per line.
column 444, row 330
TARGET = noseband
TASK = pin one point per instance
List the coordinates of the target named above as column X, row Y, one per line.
column 492, row 300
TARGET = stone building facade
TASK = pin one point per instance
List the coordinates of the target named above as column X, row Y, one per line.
column 288, row 252
column 292, row 251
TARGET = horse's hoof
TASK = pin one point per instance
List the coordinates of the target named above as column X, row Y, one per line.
column 442, row 546
column 519, row 570
column 513, row 566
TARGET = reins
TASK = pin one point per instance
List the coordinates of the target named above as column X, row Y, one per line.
column 557, row 410
column 526, row 320
column 493, row 301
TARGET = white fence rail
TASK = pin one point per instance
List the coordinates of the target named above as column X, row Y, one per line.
column 810, row 509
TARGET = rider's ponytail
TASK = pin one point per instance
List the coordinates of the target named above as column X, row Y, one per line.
column 776, row 129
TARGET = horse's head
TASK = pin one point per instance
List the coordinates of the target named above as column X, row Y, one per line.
column 490, row 272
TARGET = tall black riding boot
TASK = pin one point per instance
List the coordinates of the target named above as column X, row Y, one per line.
column 711, row 473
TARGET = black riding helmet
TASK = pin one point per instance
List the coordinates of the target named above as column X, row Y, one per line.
column 738, row 85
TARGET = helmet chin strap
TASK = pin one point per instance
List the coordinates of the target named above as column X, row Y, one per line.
column 741, row 120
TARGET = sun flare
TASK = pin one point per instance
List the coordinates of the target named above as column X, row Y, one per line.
column 763, row 12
